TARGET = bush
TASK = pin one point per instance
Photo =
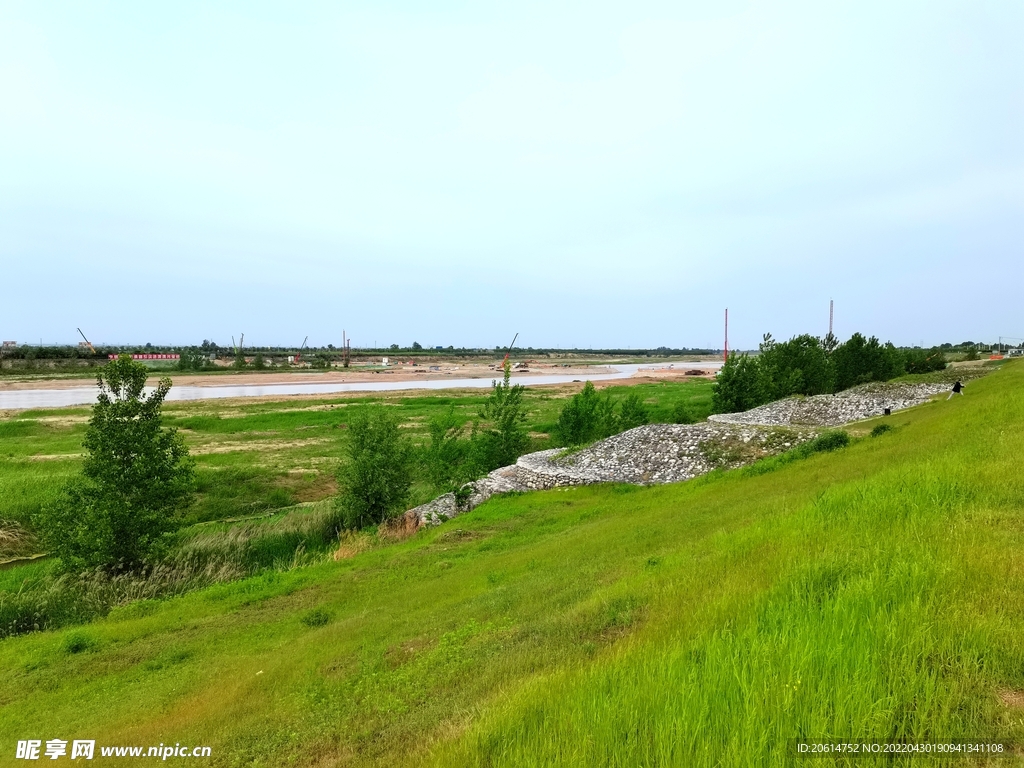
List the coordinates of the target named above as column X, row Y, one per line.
column 317, row 617
column 448, row 457
column 375, row 483
column 578, row 421
column 192, row 360
column 832, row 440
column 738, row 386
column 504, row 438
column 76, row 642
column 632, row 412
column 881, row 429
column 683, row 414
column 135, row 479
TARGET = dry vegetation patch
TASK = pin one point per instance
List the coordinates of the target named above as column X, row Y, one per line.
column 1011, row 698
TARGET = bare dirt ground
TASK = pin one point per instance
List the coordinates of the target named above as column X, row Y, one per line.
column 397, row 372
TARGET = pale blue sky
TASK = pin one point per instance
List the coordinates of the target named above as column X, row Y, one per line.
column 586, row 174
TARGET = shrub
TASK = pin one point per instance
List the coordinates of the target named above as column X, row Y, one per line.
column 881, row 429
column 375, row 483
column 632, row 412
column 738, row 386
column 192, row 360
column 76, row 642
column 135, row 479
column 504, row 438
column 317, row 617
column 827, row 441
column 683, row 414
column 448, row 457
column 924, row 361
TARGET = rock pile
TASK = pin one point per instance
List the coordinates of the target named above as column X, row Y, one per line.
column 668, row 453
column 648, row 455
column 862, row 402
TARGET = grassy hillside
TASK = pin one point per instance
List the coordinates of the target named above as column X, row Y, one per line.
column 875, row 592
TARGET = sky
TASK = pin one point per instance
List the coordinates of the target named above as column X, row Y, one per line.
column 585, row 174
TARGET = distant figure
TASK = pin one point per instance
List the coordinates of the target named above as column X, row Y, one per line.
column 958, row 389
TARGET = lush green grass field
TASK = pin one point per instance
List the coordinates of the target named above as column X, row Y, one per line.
column 253, row 457
column 872, row 593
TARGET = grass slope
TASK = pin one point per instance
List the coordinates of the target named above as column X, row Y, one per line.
column 874, row 592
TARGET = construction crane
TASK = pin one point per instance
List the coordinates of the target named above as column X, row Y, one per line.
column 509, row 350
column 298, row 357
column 87, row 342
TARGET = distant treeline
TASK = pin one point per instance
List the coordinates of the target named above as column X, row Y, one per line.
column 74, row 352
column 807, row 365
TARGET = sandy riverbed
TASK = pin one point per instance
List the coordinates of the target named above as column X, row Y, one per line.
column 357, row 375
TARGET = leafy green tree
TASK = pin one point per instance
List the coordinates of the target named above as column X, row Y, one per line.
column 259, row 363
column 417, row 346
column 800, row 366
column 924, row 361
column 448, row 457
column 860, row 360
column 191, row 360
column 375, row 482
column 587, row 416
column 504, row 437
column 632, row 412
column 739, row 386
column 136, row 478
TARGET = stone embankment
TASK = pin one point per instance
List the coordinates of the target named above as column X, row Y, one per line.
column 668, row 453
column 855, row 404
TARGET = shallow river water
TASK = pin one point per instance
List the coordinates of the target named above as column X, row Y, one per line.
column 61, row 398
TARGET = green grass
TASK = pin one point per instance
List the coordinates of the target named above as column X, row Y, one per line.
column 872, row 592
column 253, row 457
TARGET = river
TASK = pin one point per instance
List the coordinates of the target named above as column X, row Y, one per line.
column 63, row 398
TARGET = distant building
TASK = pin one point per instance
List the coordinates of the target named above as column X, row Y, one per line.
column 10, row 344
column 149, row 357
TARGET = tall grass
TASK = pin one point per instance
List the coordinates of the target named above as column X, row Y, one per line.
column 49, row 599
column 15, row 541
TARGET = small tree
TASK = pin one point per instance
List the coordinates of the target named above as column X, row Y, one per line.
column 135, row 478
column 633, row 412
column 375, row 482
column 585, row 417
column 504, row 439
column 738, row 386
column 448, row 457
column 191, row 360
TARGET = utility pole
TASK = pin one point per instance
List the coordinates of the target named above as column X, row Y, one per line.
column 725, row 355
column 830, row 303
